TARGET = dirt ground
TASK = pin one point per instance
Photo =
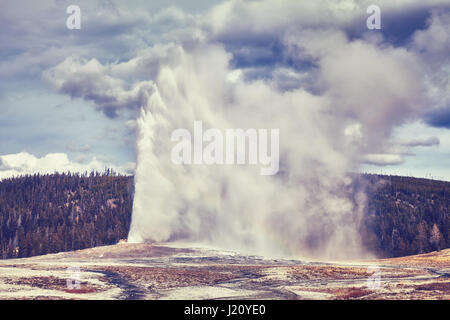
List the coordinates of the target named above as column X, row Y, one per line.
column 145, row 271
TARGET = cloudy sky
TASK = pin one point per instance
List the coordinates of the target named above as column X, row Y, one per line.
column 69, row 98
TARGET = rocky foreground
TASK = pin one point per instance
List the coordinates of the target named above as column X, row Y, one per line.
column 145, row 271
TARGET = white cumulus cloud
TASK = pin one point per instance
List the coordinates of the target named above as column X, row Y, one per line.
column 12, row 165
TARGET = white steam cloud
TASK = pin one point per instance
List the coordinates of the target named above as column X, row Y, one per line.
column 332, row 117
column 234, row 207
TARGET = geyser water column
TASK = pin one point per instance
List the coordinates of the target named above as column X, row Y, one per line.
column 303, row 210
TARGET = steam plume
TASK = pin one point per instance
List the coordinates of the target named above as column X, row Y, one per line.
column 335, row 101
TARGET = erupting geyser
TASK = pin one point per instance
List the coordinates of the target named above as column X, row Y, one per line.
column 333, row 100
column 306, row 209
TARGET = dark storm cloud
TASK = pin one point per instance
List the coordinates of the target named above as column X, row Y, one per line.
column 34, row 35
column 258, row 46
column 397, row 25
column 439, row 118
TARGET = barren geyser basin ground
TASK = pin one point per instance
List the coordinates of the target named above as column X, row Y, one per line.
column 145, row 271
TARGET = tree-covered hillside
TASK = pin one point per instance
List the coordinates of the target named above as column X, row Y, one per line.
column 405, row 215
column 42, row 214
